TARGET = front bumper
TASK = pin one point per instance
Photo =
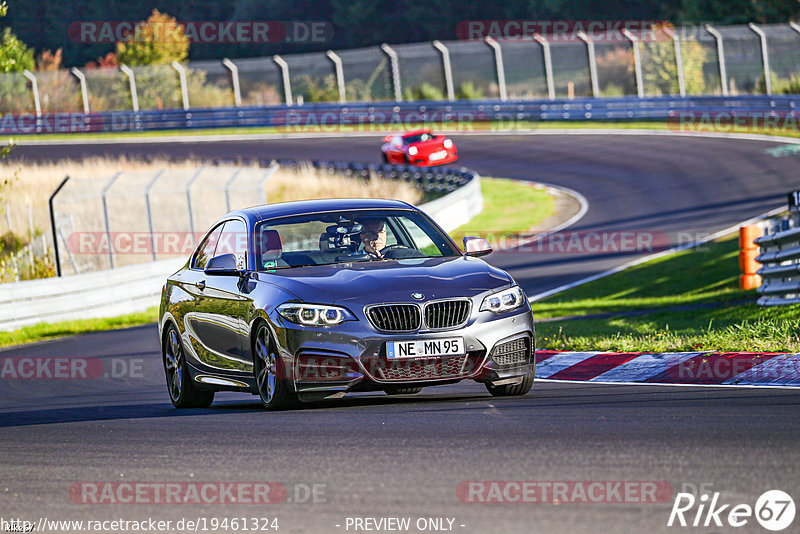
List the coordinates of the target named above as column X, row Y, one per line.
column 426, row 161
column 352, row 356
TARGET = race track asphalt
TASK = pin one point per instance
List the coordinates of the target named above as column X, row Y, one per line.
column 378, row 456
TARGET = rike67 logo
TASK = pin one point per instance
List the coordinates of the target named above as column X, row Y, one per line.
column 774, row 510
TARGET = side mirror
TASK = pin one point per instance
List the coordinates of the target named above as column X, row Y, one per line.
column 476, row 246
column 387, row 139
column 223, row 265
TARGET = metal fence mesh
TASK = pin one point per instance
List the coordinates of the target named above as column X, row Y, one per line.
column 367, row 73
column 108, row 90
column 137, row 217
column 524, row 67
column 474, row 70
column 15, row 93
column 209, row 84
column 313, row 77
column 260, row 82
column 421, row 72
column 571, row 69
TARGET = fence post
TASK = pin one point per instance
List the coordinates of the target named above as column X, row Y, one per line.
column 237, row 93
column 548, row 66
column 337, row 64
column 500, row 67
column 106, row 219
column 676, row 41
column 395, row 63
column 723, row 73
column 53, row 222
column 764, row 57
column 448, row 72
column 36, row 102
column 262, row 189
column 184, row 90
column 84, row 92
column 189, row 200
column 592, row 63
column 150, row 212
column 227, row 189
column 637, row 61
column 132, row 84
column 287, row 82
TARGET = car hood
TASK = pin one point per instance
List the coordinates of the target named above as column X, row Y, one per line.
column 426, row 147
column 364, row 283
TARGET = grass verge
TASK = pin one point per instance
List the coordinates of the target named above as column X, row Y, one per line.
column 534, row 206
column 509, row 206
column 45, row 331
column 713, row 313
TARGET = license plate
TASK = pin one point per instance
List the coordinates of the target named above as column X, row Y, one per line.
column 436, row 156
column 425, row 348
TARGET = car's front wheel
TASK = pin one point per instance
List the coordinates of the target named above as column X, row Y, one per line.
column 512, row 390
column 182, row 392
column 271, row 380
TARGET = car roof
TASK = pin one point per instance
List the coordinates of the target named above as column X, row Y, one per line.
column 302, row 207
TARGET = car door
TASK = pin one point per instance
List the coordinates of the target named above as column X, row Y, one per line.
column 218, row 325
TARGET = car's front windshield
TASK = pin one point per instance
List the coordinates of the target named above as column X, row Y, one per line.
column 418, row 138
column 348, row 236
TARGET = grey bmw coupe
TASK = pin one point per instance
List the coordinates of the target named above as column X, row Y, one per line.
column 315, row 299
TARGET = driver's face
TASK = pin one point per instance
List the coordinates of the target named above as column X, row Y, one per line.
column 374, row 232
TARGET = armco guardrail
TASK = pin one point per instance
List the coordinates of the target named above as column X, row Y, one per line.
column 136, row 287
column 682, row 112
column 780, row 257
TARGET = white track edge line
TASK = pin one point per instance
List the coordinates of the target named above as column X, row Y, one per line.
column 726, row 386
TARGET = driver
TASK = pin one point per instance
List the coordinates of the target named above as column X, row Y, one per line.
column 373, row 237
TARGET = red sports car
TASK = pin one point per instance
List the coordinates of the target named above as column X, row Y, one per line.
column 419, row 147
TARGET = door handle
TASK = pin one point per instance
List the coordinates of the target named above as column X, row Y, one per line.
column 201, row 285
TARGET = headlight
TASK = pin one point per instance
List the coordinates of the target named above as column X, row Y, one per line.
column 412, row 151
column 503, row 301
column 448, row 143
column 314, row 314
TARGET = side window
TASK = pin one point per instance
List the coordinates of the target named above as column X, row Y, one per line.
column 422, row 240
column 205, row 251
column 233, row 240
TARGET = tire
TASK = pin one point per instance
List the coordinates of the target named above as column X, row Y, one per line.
column 180, row 387
column 385, row 157
column 402, row 391
column 273, row 387
column 512, row 390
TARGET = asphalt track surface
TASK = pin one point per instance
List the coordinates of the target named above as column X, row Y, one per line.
column 379, row 456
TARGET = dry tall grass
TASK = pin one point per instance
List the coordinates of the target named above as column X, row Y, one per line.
column 31, row 183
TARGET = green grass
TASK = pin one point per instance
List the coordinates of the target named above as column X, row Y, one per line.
column 488, row 127
column 509, row 207
column 44, row 331
column 706, row 278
